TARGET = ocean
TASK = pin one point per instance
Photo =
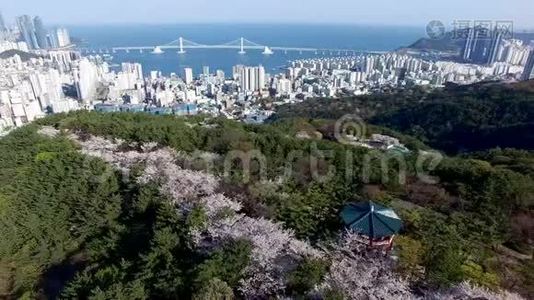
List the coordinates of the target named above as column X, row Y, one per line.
column 356, row 37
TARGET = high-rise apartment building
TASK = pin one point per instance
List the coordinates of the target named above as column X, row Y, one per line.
column 27, row 31
column 252, row 78
column 58, row 37
column 495, row 46
column 528, row 73
column 131, row 76
column 85, row 78
column 134, row 68
column 514, row 52
column 220, row 75
column 40, row 33
column 468, row 45
column 35, row 34
column 63, row 37
column 482, row 46
column 369, row 64
column 188, row 75
column 2, row 23
column 283, row 86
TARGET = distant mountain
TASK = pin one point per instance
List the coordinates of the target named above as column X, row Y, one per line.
column 450, row 43
column 25, row 56
column 447, row 43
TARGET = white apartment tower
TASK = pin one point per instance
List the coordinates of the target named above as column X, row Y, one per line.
column 188, row 75
column 63, row 37
column 86, row 78
column 252, row 78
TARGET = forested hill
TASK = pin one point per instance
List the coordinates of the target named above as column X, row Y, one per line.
column 137, row 206
column 447, row 43
column 454, row 119
column 451, row 42
column 24, row 56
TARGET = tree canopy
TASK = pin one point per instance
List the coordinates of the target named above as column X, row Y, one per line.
column 74, row 226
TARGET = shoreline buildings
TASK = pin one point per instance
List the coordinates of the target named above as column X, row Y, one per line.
column 36, row 36
column 54, row 79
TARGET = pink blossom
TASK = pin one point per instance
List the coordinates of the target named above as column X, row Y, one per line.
column 355, row 271
column 362, row 274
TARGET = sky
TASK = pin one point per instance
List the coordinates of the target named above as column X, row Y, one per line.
column 375, row 12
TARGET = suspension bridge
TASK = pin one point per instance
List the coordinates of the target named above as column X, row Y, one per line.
column 241, row 44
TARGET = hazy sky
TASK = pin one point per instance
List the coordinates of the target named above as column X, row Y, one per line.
column 391, row 12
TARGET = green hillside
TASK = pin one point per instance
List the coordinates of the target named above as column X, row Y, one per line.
column 454, row 119
column 76, row 226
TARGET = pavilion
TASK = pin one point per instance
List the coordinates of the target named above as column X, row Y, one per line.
column 375, row 223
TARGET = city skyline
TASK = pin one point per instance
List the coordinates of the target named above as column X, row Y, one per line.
column 412, row 13
column 297, row 149
column 69, row 77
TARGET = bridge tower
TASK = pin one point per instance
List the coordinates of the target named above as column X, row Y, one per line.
column 267, row 51
column 181, row 41
column 242, row 48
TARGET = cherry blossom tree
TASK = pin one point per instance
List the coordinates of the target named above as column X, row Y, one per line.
column 465, row 290
column 359, row 273
column 355, row 271
column 275, row 250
